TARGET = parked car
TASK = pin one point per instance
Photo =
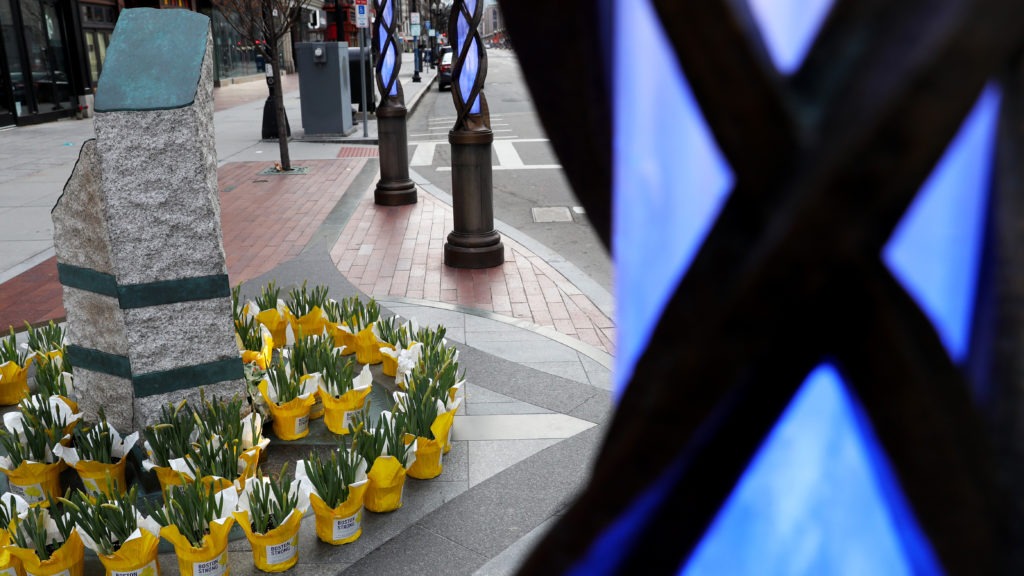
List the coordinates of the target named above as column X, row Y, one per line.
column 444, row 72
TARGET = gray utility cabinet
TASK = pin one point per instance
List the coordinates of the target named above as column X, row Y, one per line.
column 324, row 90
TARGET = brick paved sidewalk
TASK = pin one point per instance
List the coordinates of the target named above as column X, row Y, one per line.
column 268, row 219
column 400, row 252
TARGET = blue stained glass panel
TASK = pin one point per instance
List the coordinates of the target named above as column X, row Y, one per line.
column 818, row 498
column 935, row 250
column 789, row 28
column 670, row 179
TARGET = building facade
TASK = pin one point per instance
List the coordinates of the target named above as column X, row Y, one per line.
column 52, row 52
column 44, row 66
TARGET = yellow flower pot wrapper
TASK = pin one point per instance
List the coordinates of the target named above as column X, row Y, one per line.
column 278, row 549
column 291, row 419
column 389, row 360
column 276, row 320
column 34, row 481
column 68, row 560
column 311, row 324
column 386, row 484
column 210, row 559
column 430, row 452
column 137, row 555
column 367, row 346
column 343, row 523
column 47, row 355
column 10, row 565
column 14, row 382
column 262, row 357
column 176, row 474
column 251, row 458
column 339, row 411
column 94, row 474
column 343, row 338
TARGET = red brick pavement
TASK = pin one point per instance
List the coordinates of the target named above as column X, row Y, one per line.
column 399, row 252
column 358, row 152
column 266, row 220
column 33, row 296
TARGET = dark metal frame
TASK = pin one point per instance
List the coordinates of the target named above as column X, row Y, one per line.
column 394, row 188
column 474, row 243
column 827, row 161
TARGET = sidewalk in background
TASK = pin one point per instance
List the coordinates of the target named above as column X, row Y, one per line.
column 536, row 340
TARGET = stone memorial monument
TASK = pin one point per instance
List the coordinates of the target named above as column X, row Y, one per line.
column 137, row 230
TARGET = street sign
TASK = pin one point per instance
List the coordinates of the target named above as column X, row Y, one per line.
column 414, row 18
column 415, row 30
column 362, row 16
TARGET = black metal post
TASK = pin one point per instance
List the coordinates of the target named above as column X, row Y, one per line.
column 474, row 243
column 394, row 188
column 415, row 8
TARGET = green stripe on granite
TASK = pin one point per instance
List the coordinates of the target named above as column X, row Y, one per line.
column 165, row 381
column 99, row 361
column 87, row 279
column 147, row 294
column 173, row 291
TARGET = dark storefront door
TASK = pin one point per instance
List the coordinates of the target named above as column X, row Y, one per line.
column 7, row 47
column 47, row 55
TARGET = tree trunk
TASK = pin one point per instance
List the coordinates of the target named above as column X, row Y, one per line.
column 282, row 120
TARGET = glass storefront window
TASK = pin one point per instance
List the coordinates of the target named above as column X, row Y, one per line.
column 12, row 82
column 234, row 56
column 47, row 57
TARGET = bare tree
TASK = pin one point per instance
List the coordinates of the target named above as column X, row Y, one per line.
column 264, row 24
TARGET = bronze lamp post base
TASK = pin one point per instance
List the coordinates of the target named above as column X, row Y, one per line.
column 394, row 188
column 474, row 250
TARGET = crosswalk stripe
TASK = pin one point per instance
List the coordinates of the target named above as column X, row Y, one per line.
column 523, row 167
column 446, row 132
column 507, row 155
column 424, row 154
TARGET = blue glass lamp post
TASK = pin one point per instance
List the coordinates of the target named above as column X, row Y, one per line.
column 394, row 188
column 474, row 243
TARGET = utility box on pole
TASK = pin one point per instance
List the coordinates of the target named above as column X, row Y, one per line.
column 324, row 89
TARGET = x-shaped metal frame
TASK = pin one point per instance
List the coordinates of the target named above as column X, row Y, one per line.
column 465, row 119
column 387, row 30
column 826, row 164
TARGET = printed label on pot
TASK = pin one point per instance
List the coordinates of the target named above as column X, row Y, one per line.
column 283, row 552
column 32, row 493
column 61, row 573
column 302, row 424
column 346, row 527
column 147, row 570
column 350, row 415
column 215, row 567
